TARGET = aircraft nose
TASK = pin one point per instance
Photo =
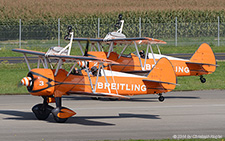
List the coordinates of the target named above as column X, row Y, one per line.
column 26, row 81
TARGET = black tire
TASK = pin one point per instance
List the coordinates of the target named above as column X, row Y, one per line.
column 59, row 120
column 113, row 99
column 203, row 80
column 161, row 98
column 95, row 98
column 41, row 112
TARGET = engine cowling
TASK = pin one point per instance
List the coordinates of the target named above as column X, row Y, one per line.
column 40, row 82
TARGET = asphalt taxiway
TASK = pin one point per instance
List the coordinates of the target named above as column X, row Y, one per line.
column 182, row 114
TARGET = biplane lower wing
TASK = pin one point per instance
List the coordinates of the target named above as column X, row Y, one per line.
column 108, row 95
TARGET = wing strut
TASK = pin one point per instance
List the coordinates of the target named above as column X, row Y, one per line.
column 93, row 47
column 89, row 79
column 138, row 54
column 59, row 66
column 40, row 59
column 113, row 78
column 152, row 53
column 123, row 50
column 146, row 55
column 110, row 49
column 105, row 78
column 98, row 46
column 26, row 59
column 46, row 63
column 71, row 68
column 99, row 68
column 81, row 49
column 158, row 49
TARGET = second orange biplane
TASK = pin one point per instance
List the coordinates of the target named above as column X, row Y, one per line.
column 52, row 81
column 139, row 62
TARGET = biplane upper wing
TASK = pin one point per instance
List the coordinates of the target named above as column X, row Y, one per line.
column 29, row 51
column 138, row 40
column 66, row 57
column 108, row 95
column 82, row 58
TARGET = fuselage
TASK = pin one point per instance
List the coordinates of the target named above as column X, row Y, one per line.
column 118, row 83
column 45, row 83
column 131, row 63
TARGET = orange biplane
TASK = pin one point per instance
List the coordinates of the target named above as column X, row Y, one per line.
column 139, row 62
column 52, row 81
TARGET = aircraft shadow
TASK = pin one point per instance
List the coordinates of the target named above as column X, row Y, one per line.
column 89, row 120
column 18, row 115
column 182, row 97
column 82, row 120
column 133, row 99
column 107, row 99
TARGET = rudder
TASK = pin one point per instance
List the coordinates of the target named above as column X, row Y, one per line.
column 164, row 74
column 205, row 55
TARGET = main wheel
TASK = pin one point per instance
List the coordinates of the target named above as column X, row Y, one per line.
column 202, row 79
column 42, row 112
column 161, row 98
column 55, row 113
column 59, row 120
column 113, row 99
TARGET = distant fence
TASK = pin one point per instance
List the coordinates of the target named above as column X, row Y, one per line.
column 175, row 34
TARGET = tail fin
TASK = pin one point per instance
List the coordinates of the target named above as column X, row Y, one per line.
column 163, row 76
column 205, row 57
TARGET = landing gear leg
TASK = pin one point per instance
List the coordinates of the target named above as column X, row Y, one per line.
column 56, row 111
column 161, row 98
column 42, row 111
column 202, row 79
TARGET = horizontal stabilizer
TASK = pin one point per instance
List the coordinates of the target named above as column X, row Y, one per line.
column 108, row 95
column 159, row 82
column 201, row 64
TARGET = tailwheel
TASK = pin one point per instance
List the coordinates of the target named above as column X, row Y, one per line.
column 161, row 98
column 42, row 111
column 202, row 79
column 113, row 99
column 95, row 98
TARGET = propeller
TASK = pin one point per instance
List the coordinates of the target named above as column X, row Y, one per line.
column 26, row 81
